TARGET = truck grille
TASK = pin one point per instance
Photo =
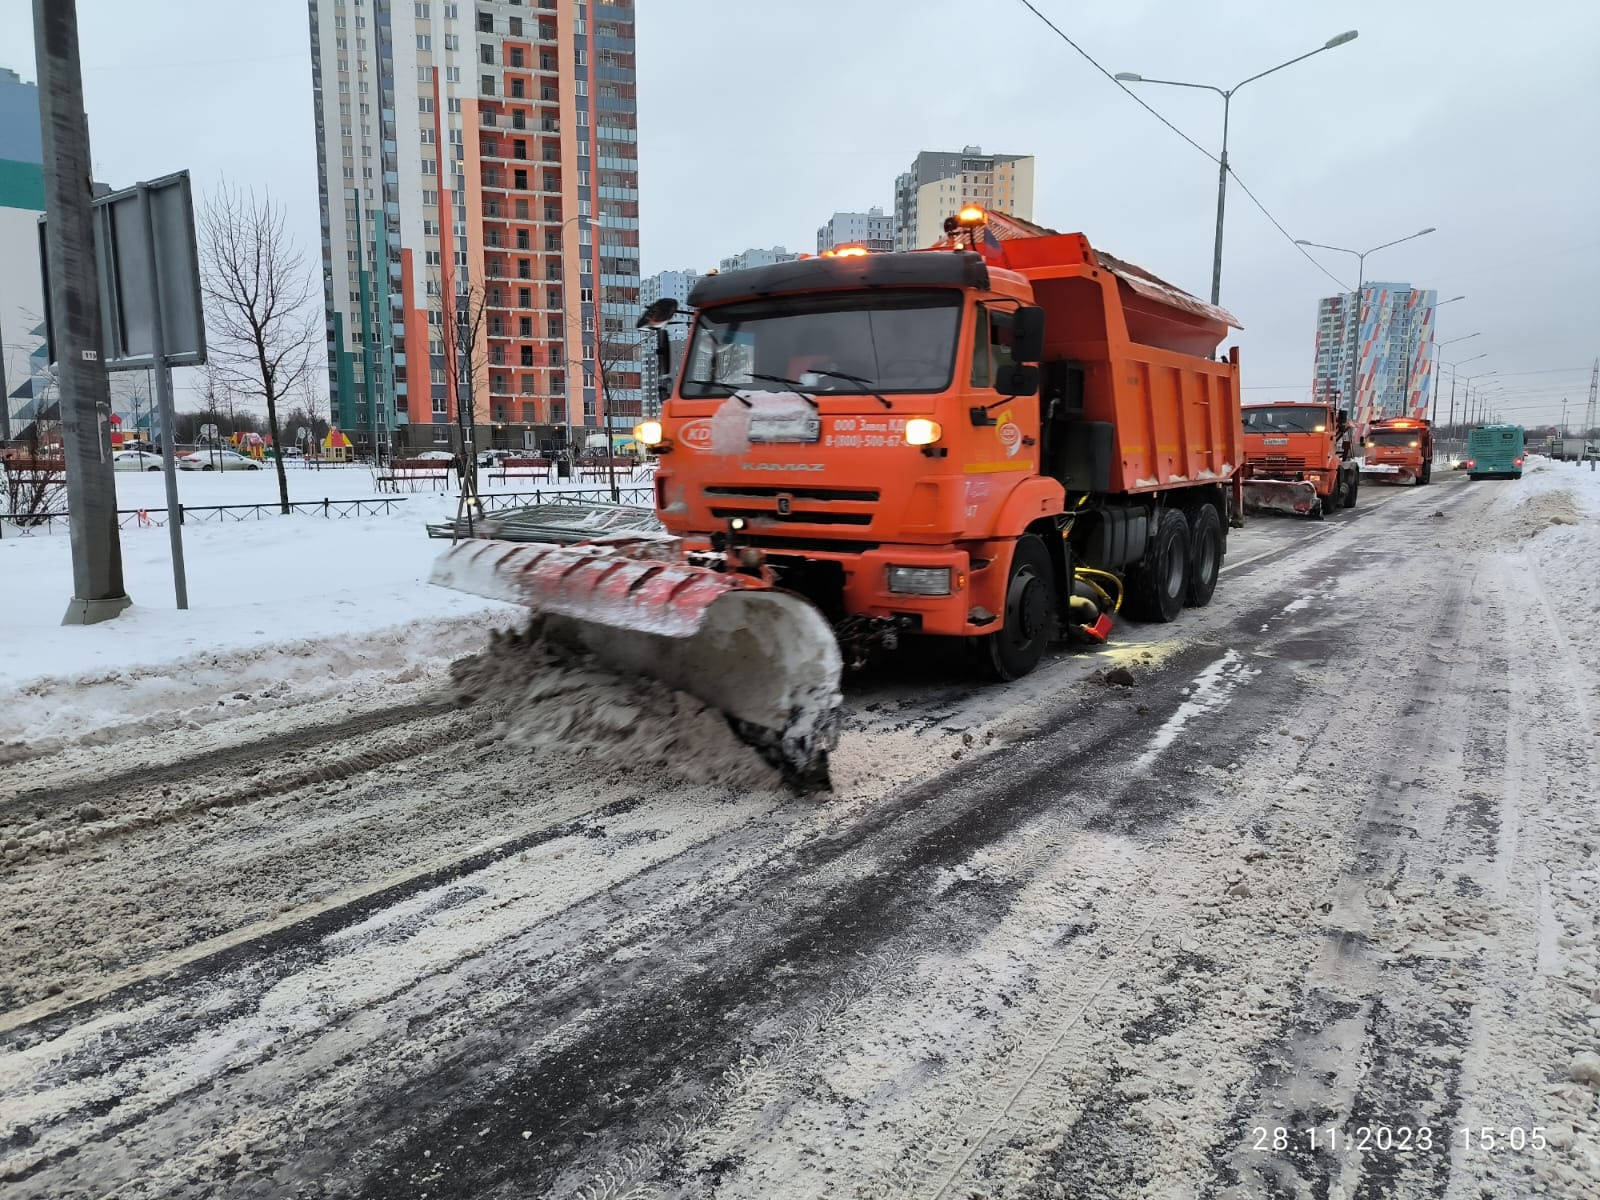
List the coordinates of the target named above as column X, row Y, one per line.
column 806, row 505
column 856, row 495
column 1281, row 462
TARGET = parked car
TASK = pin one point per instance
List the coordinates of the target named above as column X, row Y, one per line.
column 437, row 456
column 217, row 460
column 136, row 460
column 491, row 458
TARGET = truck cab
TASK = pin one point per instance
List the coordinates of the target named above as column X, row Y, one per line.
column 1299, row 458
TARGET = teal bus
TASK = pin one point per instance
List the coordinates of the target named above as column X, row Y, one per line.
column 1495, row 452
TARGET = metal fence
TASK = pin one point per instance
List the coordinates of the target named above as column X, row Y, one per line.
column 27, row 524
column 24, row 524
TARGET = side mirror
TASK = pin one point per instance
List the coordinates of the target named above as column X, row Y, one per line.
column 658, row 314
column 1017, row 379
column 664, row 359
column 1027, row 339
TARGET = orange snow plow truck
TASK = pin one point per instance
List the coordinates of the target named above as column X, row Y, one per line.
column 1399, row 450
column 1006, row 438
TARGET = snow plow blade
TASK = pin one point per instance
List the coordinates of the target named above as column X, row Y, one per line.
column 1297, row 498
column 765, row 658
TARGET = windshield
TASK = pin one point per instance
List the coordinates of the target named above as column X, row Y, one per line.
column 1395, row 437
column 829, row 345
column 1285, row 420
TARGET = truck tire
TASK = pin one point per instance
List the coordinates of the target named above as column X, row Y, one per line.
column 1159, row 582
column 1205, row 554
column 1029, row 618
column 1351, row 488
column 1427, row 473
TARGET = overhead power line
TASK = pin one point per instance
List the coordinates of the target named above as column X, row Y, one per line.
column 1134, row 96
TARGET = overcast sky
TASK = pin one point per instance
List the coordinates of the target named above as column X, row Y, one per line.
column 760, row 118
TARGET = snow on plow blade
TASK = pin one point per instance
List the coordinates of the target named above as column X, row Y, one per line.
column 1298, row 498
column 765, row 658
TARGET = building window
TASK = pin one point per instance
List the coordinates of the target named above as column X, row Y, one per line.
column 486, row 55
column 527, row 356
column 530, row 387
column 522, row 240
column 424, row 42
column 521, row 179
column 488, row 85
column 525, row 300
column 452, row 42
column 516, row 56
column 524, row 324
column 516, row 89
column 485, row 22
column 516, row 26
column 524, row 268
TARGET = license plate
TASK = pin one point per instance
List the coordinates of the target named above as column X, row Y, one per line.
column 798, row 427
column 1271, row 441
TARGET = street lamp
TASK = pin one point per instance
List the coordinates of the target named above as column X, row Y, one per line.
column 1453, row 378
column 1433, row 409
column 566, row 330
column 1222, row 163
column 1352, row 401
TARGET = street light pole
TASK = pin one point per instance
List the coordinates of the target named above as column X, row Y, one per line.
column 1453, row 377
column 1438, row 362
column 1352, row 343
column 566, row 332
column 1222, row 161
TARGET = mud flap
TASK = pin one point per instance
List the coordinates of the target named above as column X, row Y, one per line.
column 765, row 658
column 1297, row 498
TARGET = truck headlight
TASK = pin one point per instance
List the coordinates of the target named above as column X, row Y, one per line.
column 647, row 433
column 920, row 581
column 920, row 431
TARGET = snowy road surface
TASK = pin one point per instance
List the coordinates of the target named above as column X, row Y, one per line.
column 1309, row 910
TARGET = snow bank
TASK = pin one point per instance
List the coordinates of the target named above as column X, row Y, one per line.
column 550, row 699
column 282, row 610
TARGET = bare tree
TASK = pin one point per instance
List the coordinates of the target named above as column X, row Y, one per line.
column 262, row 320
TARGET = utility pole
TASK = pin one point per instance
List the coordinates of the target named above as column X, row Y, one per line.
column 85, row 390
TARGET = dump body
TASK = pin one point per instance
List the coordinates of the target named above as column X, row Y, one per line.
column 786, row 436
column 1399, row 450
column 1495, row 452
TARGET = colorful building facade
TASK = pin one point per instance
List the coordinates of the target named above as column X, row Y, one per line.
column 480, row 203
column 1394, row 347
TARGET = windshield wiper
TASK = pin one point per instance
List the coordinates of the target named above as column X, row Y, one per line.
column 799, row 388
column 848, row 378
column 733, row 388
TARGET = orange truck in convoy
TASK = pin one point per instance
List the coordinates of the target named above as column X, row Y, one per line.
column 1399, row 450
column 1005, row 438
column 1298, row 459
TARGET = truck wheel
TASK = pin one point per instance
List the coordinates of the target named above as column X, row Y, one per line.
column 1157, row 585
column 1427, row 473
column 1205, row 554
column 1030, row 616
column 1351, row 488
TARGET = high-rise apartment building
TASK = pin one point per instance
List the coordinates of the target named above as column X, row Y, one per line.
column 871, row 229
column 1395, row 351
column 480, row 209
column 23, row 369
column 664, row 284
column 757, row 258
column 939, row 182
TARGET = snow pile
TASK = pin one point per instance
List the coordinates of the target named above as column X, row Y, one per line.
column 558, row 701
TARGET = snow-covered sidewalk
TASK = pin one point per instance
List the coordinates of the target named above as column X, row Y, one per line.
column 282, row 610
